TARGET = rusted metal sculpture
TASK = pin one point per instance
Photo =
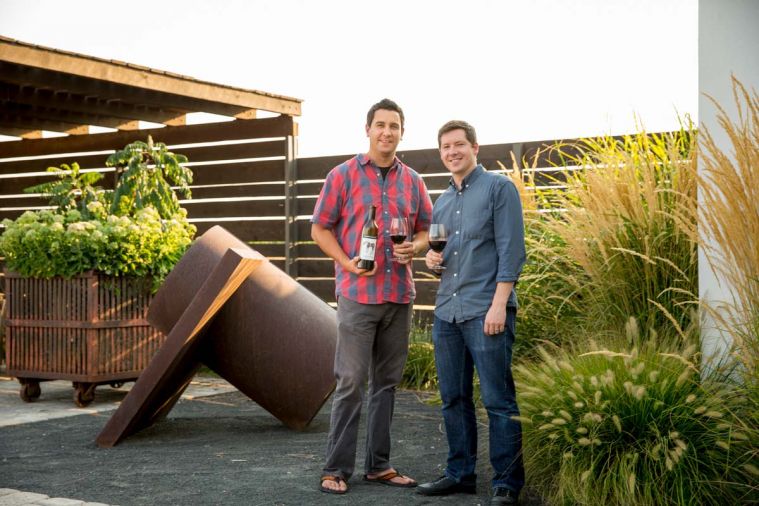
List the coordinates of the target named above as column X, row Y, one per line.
column 272, row 339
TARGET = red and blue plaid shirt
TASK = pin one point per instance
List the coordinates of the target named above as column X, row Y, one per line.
column 348, row 192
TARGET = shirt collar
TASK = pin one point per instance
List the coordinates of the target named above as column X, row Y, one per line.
column 364, row 160
column 471, row 178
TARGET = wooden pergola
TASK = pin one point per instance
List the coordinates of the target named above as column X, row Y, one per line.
column 46, row 89
column 49, row 89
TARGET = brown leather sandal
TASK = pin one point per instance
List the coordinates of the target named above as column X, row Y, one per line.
column 386, row 479
column 336, row 479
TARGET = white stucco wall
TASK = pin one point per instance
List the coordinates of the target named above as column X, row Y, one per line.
column 728, row 43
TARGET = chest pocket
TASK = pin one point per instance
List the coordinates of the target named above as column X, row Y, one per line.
column 478, row 218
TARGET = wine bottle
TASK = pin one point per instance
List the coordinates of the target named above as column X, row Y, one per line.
column 368, row 241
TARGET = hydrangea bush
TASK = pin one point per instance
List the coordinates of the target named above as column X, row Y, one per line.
column 45, row 243
column 137, row 230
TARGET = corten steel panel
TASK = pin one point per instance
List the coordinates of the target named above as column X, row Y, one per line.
column 168, row 374
column 273, row 340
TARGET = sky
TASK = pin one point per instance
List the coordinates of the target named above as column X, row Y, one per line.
column 517, row 70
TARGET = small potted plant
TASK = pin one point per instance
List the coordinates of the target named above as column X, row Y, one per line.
column 80, row 276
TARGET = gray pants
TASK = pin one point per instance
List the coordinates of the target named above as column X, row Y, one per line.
column 372, row 341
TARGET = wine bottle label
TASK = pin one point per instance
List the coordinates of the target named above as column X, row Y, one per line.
column 368, row 244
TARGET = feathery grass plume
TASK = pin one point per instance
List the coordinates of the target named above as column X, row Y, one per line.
column 619, row 241
column 653, row 440
column 729, row 218
column 729, row 235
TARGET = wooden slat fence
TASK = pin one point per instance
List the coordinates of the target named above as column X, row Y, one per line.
column 246, row 178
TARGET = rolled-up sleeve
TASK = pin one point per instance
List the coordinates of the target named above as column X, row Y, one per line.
column 330, row 201
column 509, row 231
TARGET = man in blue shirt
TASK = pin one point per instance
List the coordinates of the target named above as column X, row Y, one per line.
column 475, row 315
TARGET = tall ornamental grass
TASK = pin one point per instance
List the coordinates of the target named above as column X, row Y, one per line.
column 729, row 220
column 619, row 242
column 635, row 426
column 545, row 303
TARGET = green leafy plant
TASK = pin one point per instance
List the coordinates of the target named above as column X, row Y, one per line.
column 120, row 233
column 72, row 190
column 419, row 372
column 146, row 173
column 637, row 426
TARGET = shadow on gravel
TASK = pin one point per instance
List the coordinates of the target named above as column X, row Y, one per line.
column 222, row 450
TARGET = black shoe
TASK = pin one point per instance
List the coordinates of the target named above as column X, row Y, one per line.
column 504, row 496
column 445, row 486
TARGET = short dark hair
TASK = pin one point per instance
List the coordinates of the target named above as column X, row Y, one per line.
column 388, row 105
column 457, row 124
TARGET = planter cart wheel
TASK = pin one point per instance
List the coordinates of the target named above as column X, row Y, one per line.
column 117, row 384
column 84, row 394
column 30, row 389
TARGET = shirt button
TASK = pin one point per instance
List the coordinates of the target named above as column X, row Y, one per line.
column 454, row 294
column 457, row 231
column 455, row 252
column 457, row 212
column 455, row 274
column 388, row 270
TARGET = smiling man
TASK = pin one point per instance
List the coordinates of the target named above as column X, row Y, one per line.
column 475, row 315
column 374, row 307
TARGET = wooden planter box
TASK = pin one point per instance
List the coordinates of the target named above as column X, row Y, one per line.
column 90, row 329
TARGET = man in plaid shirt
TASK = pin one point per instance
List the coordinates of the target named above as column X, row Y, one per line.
column 374, row 308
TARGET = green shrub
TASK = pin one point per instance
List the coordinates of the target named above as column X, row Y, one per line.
column 136, row 230
column 45, row 244
column 637, row 427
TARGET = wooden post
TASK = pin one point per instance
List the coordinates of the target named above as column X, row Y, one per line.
column 291, row 207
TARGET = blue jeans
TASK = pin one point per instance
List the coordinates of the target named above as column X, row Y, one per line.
column 459, row 348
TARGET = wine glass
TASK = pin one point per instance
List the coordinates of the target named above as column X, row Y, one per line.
column 398, row 232
column 438, row 239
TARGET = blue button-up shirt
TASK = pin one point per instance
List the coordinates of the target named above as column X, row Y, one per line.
column 485, row 229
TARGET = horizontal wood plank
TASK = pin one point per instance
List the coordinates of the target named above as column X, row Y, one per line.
column 246, row 208
column 238, row 172
column 273, row 230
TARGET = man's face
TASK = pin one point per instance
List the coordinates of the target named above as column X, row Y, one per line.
column 385, row 132
column 458, row 155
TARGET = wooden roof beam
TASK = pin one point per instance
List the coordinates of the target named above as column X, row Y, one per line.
column 143, row 78
column 31, row 124
column 21, row 132
column 42, row 79
column 89, row 104
column 43, row 113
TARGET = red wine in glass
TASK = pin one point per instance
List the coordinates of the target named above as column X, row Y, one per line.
column 398, row 231
column 438, row 245
column 437, row 239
